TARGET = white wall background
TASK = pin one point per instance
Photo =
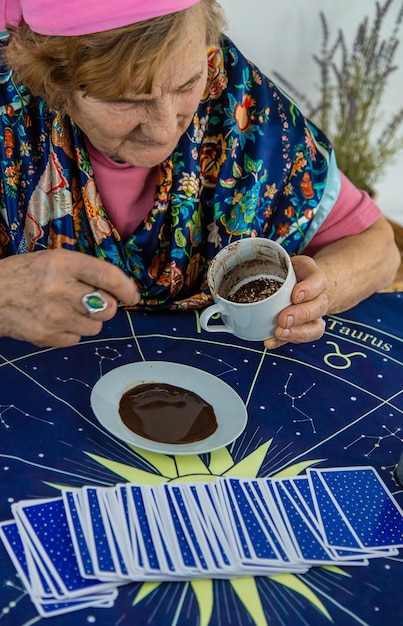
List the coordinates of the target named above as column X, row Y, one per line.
column 282, row 35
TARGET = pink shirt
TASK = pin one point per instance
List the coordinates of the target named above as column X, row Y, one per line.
column 128, row 192
column 353, row 212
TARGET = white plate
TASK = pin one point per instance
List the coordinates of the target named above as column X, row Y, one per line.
column 228, row 407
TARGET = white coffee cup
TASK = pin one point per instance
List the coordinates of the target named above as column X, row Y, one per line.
column 239, row 263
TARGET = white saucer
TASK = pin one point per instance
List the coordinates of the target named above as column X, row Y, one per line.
column 229, row 409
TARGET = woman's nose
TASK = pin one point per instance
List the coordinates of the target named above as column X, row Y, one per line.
column 164, row 120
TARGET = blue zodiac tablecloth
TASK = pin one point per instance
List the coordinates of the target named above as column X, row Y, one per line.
column 335, row 403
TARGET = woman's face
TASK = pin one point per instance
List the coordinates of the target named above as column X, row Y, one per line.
column 143, row 130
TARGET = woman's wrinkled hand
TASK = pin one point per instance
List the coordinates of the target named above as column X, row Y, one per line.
column 41, row 296
column 303, row 321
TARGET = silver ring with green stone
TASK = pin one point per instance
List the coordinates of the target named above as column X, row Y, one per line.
column 94, row 302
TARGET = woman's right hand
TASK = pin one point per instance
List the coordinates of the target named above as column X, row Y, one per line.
column 41, row 296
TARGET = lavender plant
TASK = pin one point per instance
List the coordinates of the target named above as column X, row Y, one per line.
column 351, row 91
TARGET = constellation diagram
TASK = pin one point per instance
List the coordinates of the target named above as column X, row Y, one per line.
column 106, row 353
column 71, row 379
column 111, row 354
column 391, row 469
column 293, row 399
column 230, row 369
column 8, row 407
column 22, row 593
column 378, row 439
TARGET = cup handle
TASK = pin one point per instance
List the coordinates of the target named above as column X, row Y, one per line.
column 207, row 314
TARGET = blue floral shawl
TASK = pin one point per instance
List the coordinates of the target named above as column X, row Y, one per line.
column 249, row 165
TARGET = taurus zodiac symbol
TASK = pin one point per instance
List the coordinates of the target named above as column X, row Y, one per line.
column 338, row 355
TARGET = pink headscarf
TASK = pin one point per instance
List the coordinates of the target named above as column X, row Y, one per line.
column 81, row 17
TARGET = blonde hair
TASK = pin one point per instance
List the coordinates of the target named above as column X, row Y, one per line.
column 105, row 64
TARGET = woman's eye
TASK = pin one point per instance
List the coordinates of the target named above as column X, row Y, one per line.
column 124, row 106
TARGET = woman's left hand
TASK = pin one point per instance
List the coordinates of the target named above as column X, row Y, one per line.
column 303, row 321
column 341, row 274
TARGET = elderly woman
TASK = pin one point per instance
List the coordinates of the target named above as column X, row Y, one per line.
column 133, row 132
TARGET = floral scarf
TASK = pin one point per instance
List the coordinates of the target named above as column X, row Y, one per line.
column 249, row 165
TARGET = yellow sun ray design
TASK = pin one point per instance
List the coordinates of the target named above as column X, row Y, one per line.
column 248, row 593
column 192, row 468
column 203, row 590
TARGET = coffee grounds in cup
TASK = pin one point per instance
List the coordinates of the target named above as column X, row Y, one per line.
column 255, row 290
